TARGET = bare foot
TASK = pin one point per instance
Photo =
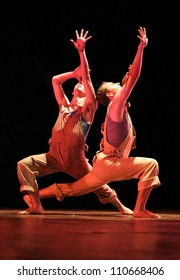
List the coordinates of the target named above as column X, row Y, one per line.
column 126, row 211
column 32, row 211
column 145, row 214
column 27, row 200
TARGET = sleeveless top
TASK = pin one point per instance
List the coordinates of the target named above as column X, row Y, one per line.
column 123, row 142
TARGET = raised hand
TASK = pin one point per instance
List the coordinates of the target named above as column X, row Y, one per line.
column 142, row 35
column 81, row 40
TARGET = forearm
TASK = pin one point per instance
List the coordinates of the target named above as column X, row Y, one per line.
column 84, row 65
column 61, row 78
column 57, row 82
column 137, row 62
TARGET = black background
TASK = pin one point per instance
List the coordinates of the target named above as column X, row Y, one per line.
column 35, row 45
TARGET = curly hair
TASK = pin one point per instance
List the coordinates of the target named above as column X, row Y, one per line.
column 101, row 94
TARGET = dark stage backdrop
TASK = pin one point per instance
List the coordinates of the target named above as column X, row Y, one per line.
column 35, row 45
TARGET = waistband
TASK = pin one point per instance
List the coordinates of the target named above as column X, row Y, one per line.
column 115, row 152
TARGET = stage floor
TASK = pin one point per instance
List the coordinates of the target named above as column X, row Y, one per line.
column 88, row 235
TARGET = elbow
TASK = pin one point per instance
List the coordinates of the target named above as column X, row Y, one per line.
column 54, row 81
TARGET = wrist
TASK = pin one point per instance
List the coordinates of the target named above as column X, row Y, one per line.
column 81, row 50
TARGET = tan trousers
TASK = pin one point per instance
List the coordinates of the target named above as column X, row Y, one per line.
column 32, row 167
column 111, row 168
